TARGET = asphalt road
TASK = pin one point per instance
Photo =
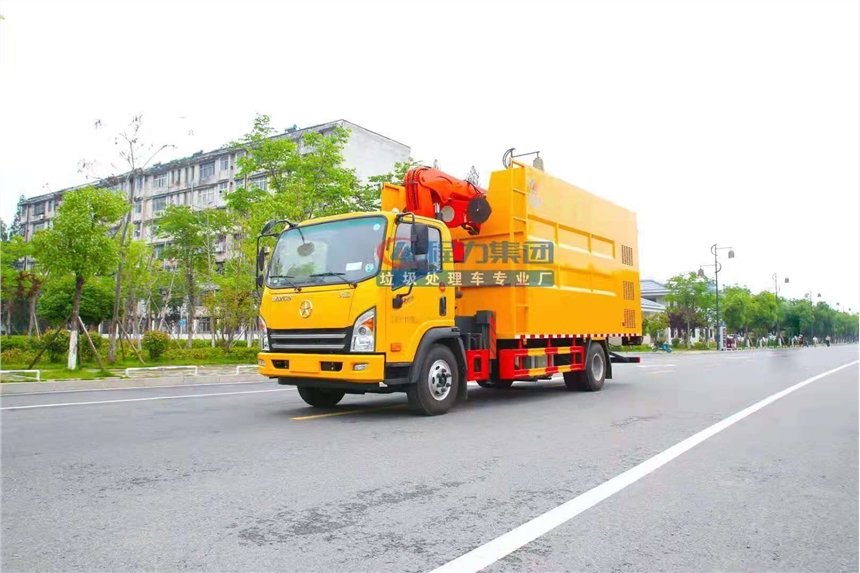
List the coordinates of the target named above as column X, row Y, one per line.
column 247, row 478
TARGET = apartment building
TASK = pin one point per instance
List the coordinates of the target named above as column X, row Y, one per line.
column 205, row 178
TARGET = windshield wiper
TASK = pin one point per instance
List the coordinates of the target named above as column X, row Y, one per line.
column 287, row 278
column 331, row 274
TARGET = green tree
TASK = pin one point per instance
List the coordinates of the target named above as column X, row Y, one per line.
column 79, row 243
column 763, row 313
column 17, row 227
column 231, row 304
column 55, row 301
column 19, row 284
column 688, row 294
column 190, row 234
column 655, row 324
column 735, row 307
column 139, row 274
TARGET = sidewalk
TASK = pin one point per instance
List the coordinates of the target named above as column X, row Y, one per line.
column 221, row 374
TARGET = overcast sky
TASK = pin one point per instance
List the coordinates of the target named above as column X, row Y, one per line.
column 735, row 123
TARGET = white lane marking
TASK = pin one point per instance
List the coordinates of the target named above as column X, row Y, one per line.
column 141, row 399
column 655, row 365
column 504, row 545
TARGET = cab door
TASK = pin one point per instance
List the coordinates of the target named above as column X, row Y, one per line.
column 418, row 298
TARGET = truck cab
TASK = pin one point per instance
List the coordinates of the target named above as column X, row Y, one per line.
column 341, row 310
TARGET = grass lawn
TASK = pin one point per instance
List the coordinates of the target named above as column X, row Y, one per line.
column 90, row 370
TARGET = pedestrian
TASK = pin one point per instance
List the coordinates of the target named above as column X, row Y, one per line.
column 827, row 341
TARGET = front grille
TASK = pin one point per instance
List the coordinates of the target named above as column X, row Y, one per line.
column 311, row 341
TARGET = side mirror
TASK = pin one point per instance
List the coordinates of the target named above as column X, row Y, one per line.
column 261, row 259
column 259, row 281
column 267, row 228
column 420, row 239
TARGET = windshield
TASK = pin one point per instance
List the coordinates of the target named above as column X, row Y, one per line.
column 327, row 253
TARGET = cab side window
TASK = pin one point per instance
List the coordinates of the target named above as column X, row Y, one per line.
column 411, row 268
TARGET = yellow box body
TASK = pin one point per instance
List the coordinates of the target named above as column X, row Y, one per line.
column 595, row 262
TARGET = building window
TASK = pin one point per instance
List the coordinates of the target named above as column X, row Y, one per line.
column 160, row 181
column 137, row 230
column 203, row 325
column 225, row 163
column 38, row 227
column 158, row 205
column 137, row 206
column 260, row 183
column 238, row 184
column 222, row 187
column 206, row 196
column 140, row 181
column 39, row 209
column 207, row 170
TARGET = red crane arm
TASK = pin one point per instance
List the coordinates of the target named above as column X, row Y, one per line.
column 437, row 195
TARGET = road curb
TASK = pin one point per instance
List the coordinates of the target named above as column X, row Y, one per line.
column 12, row 388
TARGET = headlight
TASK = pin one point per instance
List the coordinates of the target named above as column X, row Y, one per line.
column 363, row 334
column 264, row 335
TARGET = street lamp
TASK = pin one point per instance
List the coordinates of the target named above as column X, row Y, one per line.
column 776, row 295
column 717, row 268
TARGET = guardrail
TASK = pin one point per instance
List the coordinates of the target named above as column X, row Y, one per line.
column 38, row 373
column 245, row 366
column 162, row 368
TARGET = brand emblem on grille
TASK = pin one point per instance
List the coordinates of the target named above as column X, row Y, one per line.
column 305, row 309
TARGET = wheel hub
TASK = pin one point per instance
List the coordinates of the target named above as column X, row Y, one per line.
column 439, row 380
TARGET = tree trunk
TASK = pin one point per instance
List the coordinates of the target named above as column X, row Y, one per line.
column 687, row 334
column 125, row 223
column 73, row 333
column 30, row 325
column 190, row 319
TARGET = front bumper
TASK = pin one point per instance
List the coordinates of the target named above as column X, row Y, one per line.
column 359, row 368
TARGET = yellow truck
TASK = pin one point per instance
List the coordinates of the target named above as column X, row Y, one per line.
column 449, row 283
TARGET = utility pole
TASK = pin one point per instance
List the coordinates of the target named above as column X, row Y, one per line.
column 717, row 268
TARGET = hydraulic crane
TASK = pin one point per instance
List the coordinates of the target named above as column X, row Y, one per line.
column 437, row 195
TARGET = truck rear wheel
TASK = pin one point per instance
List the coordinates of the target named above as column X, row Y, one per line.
column 438, row 382
column 591, row 379
column 320, row 397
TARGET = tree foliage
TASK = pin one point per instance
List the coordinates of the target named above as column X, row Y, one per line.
column 735, row 308
column 79, row 242
column 689, row 296
column 18, row 284
column 55, row 302
column 190, row 235
column 655, row 325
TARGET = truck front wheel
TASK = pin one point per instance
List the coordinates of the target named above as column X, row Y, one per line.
column 320, row 397
column 591, row 379
column 438, row 382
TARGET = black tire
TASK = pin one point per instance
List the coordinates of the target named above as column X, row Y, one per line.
column 592, row 378
column 438, row 383
column 321, row 397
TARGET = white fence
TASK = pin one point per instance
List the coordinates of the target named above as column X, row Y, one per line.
column 128, row 371
column 14, row 372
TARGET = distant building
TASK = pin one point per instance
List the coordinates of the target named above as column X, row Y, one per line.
column 653, row 297
column 204, row 179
